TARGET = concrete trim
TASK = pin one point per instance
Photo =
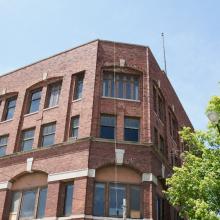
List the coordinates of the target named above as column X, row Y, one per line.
column 71, row 175
column 5, row 185
column 29, row 164
column 149, row 177
column 119, row 156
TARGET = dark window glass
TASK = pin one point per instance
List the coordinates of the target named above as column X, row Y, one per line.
column 135, row 205
column 117, row 193
column 162, row 144
column 54, row 94
column 68, row 199
column 27, row 140
column 48, row 134
column 160, row 208
column 74, row 126
column 15, row 202
column 155, row 137
column 3, row 145
column 161, row 108
column 42, row 203
column 99, row 200
column 155, row 99
column 131, row 130
column 10, row 108
column 28, row 204
column 173, row 127
column 107, row 128
column 127, row 86
column 35, row 101
column 78, row 86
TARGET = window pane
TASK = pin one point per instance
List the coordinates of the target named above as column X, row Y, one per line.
column 108, row 120
column 105, row 87
column 135, row 202
column 136, row 89
column 75, row 126
column 128, row 90
column 120, row 87
column 68, row 200
column 28, row 204
column 48, row 140
column 27, row 140
column 36, row 95
column 116, row 193
column 54, row 95
column 3, row 140
column 34, row 107
column 79, row 87
column 48, row 129
column 107, row 132
column 132, row 123
column 99, row 200
column 42, row 203
column 131, row 134
column 15, row 201
column 27, row 145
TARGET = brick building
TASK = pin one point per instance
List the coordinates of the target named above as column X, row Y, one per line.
column 85, row 128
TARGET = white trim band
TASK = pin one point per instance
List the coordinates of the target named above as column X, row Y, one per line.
column 149, row 177
column 70, row 175
column 5, row 185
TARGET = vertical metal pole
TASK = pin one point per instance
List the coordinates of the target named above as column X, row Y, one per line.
column 164, row 54
column 124, row 206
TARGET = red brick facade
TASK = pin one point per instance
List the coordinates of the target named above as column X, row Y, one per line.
column 73, row 160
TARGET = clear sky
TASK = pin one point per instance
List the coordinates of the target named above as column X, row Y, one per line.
column 34, row 29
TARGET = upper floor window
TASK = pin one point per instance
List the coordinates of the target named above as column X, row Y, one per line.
column 27, row 139
column 107, row 127
column 78, row 86
column 48, row 134
column 9, row 108
column 131, row 129
column 3, row 144
column 156, row 137
column 119, row 85
column 116, row 193
column 29, row 204
column 173, row 126
column 35, row 98
column 74, row 130
column 53, row 94
column 68, row 199
column 162, row 144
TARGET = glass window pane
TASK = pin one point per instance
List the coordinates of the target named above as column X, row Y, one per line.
column 74, row 132
column 48, row 129
column 120, row 88
column 79, row 87
column 68, row 200
column 136, row 89
column 42, row 203
column 75, row 122
column 27, row 145
column 10, row 113
column 2, row 151
column 28, row 134
column 99, row 200
column 135, row 202
column 3, row 140
column 28, row 204
column 107, row 132
column 15, row 201
column 36, row 95
column 105, row 87
column 48, row 140
column 108, row 120
column 54, row 95
column 34, row 107
column 116, row 195
column 132, row 123
column 131, row 134
column 128, row 90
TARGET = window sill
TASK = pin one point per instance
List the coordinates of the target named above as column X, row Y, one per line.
column 77, row 100
column 121, row 99
column 52, row 107
column 2, row 122
column 32, row 113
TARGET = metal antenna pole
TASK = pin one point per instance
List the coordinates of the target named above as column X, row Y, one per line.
column 124, row 206
column 164, row 53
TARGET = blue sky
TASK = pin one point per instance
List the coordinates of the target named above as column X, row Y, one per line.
column 32, row 30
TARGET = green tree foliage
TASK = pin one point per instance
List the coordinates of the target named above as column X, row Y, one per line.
column 195, row 187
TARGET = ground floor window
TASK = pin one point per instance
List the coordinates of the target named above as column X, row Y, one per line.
column 108, row 200
column 28, row 204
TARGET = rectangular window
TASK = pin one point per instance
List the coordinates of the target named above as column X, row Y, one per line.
column 162, row 144
column 48, row 134
column 99, row 200
column 117, row 193
column 3, row 144
column 107, row 127
column 27, row 139
column 28, row 204
column 160, row 208
column 119, row 85
column 78, row 86
column 68, row 200
column 34, row 101
column 74, row 127
column 135, row 198
column 161, row 108
column 53, row 94
column 155, row 137
column 155, row 99
column 131, row 129
column 9, row 108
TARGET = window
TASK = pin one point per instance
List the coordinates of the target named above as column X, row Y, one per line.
column 29, row 204
column 107, row 128
column 27, row 139
column 155, row 99
column 131, row 130
column 48, row 134
column 162, row 144
column 34, row 101
column 74, row 127
column 68, row 200
column 173, row 126
column 124, row 86
column 161, row 108
column 53, row 94
column 99, row 200
column 78, row 86
column 160, row 208
column 9, row 108
column 155, row 137
column 3, row 144
column 117, row 192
